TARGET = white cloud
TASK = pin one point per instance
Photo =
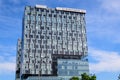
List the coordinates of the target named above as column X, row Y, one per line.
column 111, row 5
column 7, row 59
column 104, row 22
column 106, row 61
column 7, row 67
column 104, row 25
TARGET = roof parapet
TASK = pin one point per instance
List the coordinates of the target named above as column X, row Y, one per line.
column 71, row 9
column 41, row 6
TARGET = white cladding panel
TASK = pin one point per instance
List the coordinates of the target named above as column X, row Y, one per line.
column 41, row 6
column 71, row 9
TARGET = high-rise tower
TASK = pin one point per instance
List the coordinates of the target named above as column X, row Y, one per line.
column 51, row 37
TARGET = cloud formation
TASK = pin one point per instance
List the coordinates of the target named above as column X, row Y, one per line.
column 111, row 5
column 7, row 66
column 7, row 59
column 106, row 61
column 104, row 22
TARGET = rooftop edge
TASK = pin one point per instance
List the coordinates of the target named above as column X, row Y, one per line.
column 63, row 9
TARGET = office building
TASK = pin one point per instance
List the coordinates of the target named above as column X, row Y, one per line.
column 51, row 35
column 18, row 56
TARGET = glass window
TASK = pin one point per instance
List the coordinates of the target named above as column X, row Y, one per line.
column 69, row 67
column 62, row 67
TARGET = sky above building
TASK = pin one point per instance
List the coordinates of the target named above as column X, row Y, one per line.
column 102, row 24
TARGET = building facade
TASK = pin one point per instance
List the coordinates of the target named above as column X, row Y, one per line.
column 68, row 68
column 18, row 61
column 50, row 34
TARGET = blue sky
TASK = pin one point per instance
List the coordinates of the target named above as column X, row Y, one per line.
column 102, row 23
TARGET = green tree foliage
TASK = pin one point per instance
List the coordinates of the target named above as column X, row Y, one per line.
column 75, row 78
column 84, row 76
column 93, row 77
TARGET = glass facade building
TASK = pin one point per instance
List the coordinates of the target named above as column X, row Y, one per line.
column 18, row 61
column 68, row 68
column 50, row 34
column 45, row 78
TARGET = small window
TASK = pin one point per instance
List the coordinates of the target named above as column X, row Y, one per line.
column 53, row 47
column 36, row 66
column 50, row 33
column 60, row 16
column 37, row 9
column 39, row 41
column 62, row 67
column 47, row 10
column 38, row 51
column 47, row 28
column 42, row 28
column 57, row 11
column 42, row 10
column 69, row 17
column 36, row 46
column 74, row 17
column 42, row 46
column 58, row 38
column 28, row 13
column 25, row 56
column 62, row 12
column 47, row 37
column 60, row 33
column 39, row 32
column 50, row 51
column 32, row 61
column 50, row 15
column 54, row 15
column 37, row 36
column 39, row 14
column 44, row 51
column 33, row 31
column 42, row 37
column 70, row 34
column 26, row 71
column 31, row 36
column 52, row 11
column 44, row 41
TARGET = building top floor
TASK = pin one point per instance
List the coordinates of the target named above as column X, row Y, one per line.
column 59, row 9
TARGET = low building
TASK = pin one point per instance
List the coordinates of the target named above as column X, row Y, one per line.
column 68, row 68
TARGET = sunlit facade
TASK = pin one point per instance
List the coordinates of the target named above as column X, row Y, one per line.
column 18, row 60
column 68, row 68
column 50, row 34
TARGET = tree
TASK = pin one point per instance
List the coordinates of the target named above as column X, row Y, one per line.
column 84, row 76
column 75, row 78
column 93, row 77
